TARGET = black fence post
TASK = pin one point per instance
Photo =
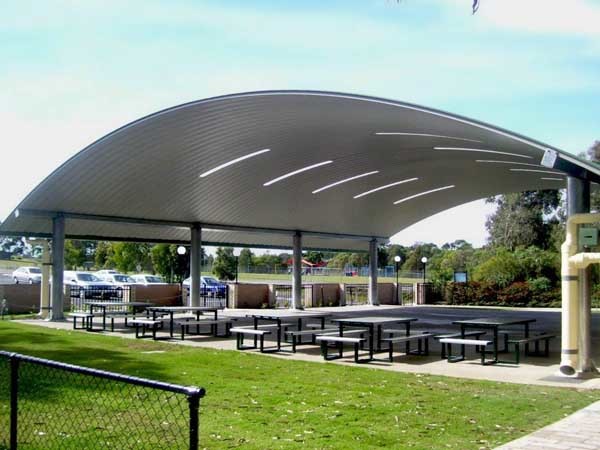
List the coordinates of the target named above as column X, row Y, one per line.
column 194, row 402
column 14, row 390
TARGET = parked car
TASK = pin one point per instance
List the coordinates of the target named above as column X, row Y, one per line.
column 147, row 279
column 88, row 285
column 31, row 275
column 104, row 273
column 119, row 279
column 208, row 286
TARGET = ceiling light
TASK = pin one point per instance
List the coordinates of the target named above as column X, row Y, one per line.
column 507, row 162
column 552, row 179
column 344, row 181
column 536, row 171
column 394, row 133
column 233, row 161
column 295, row 172
column 480, row 150
column 385, row 187
column 402, row 200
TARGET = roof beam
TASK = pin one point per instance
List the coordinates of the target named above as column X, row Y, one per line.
column 206, row 225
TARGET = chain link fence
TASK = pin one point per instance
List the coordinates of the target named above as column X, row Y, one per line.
column 51, row 405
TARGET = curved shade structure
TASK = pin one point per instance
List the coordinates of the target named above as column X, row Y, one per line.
column 253, row 168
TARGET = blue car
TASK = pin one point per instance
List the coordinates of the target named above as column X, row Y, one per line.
column 209, row 286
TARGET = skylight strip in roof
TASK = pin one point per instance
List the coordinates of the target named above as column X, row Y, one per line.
column 296, row 172
column 481, row 150
column 385, row 187
column 395, row 133
column 356, row 177
column 536, row 171
column 234, row 161
column 405, row 199
column 507, row 162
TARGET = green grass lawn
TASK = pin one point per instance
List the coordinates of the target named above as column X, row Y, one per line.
column 320, row 278
column 259, row 402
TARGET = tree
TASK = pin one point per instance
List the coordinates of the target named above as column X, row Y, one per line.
column 75, row 254
column 416, row 252
column 103, row 255
column 127, row 256
column 593, row 154
column 314, row 257
column 245, row 260
column 523, row 219
column 224, row 266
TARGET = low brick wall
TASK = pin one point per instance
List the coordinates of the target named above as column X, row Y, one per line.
column 248, row 295
column 21, row 298
column 159, row 294
column 386, row 293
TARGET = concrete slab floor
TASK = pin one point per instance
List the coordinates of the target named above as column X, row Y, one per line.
column 532, row 370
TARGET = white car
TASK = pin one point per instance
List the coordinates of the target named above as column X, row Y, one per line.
column 89, row 285
column 147, row 279
column 103, row 274
column 31, row 275
column 119, row 279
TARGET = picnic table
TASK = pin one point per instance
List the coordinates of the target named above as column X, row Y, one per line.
column 278, row 316
column 494, row 324
column 171, row 310
column 106, row 306
column 371, row 322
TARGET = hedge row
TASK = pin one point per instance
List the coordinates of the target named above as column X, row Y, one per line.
column 487, row 294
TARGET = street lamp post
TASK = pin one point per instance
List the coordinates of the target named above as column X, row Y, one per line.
column 236, row 253
column 397, row 263
column 424, row 261
column 181, row 251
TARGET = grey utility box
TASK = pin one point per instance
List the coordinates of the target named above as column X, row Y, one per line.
column 588, row 237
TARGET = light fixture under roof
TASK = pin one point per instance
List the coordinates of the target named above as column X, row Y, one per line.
column 536, row 171
column 234, row 161
column 507, row 162
column 385, row 187
column 356, row 177
column 405, row 199
column 296, row 172
column 552, row 179
column 481, row 150
column 398, row 133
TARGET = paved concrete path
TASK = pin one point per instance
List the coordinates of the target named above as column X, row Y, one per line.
column 579, row 431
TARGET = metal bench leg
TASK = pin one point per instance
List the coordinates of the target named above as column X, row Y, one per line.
column 517, row 353
column 443, row 355
column 391, row 351
column 262, row 343
column 547, row 348
column 340, row 346
column 112, row 324
column 324, row 349
column 356, row 352
column 182, row 332
column 293, row 343
column 426, row 353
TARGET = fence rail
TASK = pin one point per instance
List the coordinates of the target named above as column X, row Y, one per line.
column 218, row 298
column 79, row 295
column 52, row 405
column 283, row 295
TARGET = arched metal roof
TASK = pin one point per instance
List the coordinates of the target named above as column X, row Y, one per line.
column 254, row 167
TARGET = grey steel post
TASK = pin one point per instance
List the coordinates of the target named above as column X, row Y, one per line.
column 195, row 265
column 45, row 284
column 296, row 302
column 578, row 201
column 58, row 253
column 373, row 298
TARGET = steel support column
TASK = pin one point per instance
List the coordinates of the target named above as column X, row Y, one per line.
column 195, row 264
column 373, row 298
column 296, row 302
column 45, row 283
column 58, row 253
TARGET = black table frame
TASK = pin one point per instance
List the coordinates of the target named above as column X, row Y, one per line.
column 156, row 310
column 358, row 322
column 277, row 319
column 494, row 325
column 136, row 306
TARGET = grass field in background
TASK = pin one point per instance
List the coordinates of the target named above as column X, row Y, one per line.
column 287, row 278
column 13, row 264
column 258, row 402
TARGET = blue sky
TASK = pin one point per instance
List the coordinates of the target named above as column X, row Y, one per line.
column 73, row 71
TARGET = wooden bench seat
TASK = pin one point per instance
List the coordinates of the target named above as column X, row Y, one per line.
column 214, row 323
column 532, row 339
column 86, row 320
column 296, row 335
column 145, row 324
column 422, row 344
column 479, row 345
column 240, row 332
column 326, row 339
